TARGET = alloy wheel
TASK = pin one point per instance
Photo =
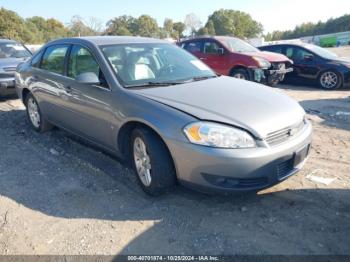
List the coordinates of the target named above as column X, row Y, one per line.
column 329, row 80
column 142, row 161
column 33, row 111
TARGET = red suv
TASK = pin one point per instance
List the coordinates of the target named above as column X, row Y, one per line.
column 234, row 57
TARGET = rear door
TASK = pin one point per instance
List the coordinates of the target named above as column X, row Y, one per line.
column 47, row 82
column 89, row 105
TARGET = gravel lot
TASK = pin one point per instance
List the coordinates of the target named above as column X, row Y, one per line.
column 59, row 195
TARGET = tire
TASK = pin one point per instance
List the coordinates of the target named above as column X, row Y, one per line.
column 157, row 165
column 35, row 118
column 329, row 80
column 273, row 83
column 240, row 74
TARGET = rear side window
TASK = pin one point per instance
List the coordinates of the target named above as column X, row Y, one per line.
column 53, row 59
column 296, row 53
column 193, row 47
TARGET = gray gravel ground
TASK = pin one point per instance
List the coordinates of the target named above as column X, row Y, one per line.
column 59, row 195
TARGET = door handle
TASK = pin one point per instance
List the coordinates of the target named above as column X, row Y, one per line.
column 202, row 58
column 34, row 78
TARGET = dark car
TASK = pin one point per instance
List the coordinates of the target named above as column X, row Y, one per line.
column 165, row 111
column 314, row 64
column 234, row 57
column 11, row 54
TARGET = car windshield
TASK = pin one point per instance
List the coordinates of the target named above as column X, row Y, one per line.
column 150, row 64
column 238, row 45
column 13, row 50
column 321, row 51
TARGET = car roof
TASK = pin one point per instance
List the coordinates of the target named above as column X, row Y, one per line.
column 108, row 40
column 219, row 38
column 289, row 44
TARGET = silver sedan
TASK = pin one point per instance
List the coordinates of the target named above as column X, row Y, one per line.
column 166, row 112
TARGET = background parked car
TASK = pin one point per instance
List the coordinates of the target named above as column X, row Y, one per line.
column 315, row 64
column 234, row 57
column 11, row 54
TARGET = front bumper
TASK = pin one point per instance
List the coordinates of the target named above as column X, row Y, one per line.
column 269, row 75
column 7, row 86
column 229, row 170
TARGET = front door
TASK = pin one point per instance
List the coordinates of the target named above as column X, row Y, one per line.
column 89, row 104
column 305, row 65
column 215, row 56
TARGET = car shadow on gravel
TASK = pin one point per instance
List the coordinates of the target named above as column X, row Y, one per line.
column 334, row 112
column 58, row 175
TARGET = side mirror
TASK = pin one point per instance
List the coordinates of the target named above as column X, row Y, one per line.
column 89, row 78
column 221, row 51
column 308, row 57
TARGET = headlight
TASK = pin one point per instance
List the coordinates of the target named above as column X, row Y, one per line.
column 218, row 135
column 263, row 63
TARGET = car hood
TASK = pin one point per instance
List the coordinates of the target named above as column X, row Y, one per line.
column 269, row 56
column 11, row 62
column 345, row 60
column 254, row 107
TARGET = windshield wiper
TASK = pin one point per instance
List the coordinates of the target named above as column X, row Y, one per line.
column 200, row 78
column 151, row 84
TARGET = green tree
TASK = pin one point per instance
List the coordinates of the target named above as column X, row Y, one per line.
column 122, row 25
column 232, row 22
column 168, row 26
column 179, row 29
column 147, row 26
column 47, row 29
column 332, row 25
column 12, row 26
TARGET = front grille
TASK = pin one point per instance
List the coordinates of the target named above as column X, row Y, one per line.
column 285, row 168
column 7, row 72
column 280, row 136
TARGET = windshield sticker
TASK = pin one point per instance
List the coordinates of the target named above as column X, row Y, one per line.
column 200, row 65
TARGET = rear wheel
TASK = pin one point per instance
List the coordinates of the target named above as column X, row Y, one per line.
column 152, row 162
column 329, row 80
column 35, row 117
column 240, row 74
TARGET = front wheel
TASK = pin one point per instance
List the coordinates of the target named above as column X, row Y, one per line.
column 152, row 162
column 35, row 117
column 240, row 74
column 329, row 80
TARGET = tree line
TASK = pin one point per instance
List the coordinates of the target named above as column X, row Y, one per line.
column 332, row 25
column 38, row 30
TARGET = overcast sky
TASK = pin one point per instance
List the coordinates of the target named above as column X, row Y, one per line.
column 273, row 14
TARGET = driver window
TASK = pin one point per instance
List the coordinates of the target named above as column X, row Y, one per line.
column 296, row 53
column 82, row 61
column 212, row 48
